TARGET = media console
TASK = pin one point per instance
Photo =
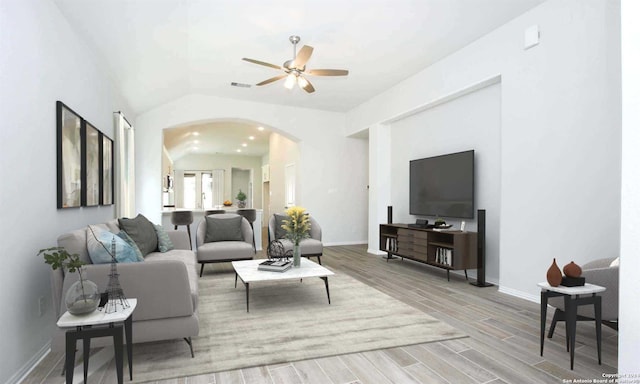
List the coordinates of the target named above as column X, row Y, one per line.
column 447, row 249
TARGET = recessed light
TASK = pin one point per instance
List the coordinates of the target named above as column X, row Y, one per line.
column 260, row 128
column 195, row 133
column 252, row 137
column 196, row 141
column 244, row 144
column 238, row 150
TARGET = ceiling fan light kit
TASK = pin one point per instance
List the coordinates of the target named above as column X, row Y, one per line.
column 295, row 68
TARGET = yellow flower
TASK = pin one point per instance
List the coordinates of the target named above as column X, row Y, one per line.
column 297, row 226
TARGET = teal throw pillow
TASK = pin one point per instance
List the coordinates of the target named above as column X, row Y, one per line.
column 141, row 230
column 99, row 245
column 227, row 229
column 164, row 242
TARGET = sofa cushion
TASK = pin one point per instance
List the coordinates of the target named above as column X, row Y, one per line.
column 99, row 246
column 141, row 230
column 223, row 229
column 164, row 242
column 185, row 256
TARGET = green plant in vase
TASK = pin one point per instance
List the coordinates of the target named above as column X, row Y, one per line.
column 82, row 296
column 297, row 227
column 242, row 199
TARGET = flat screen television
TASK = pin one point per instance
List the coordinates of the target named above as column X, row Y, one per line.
column 442, row 186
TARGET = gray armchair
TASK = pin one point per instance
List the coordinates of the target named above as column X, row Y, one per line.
column 222, row 243
column 598, row 272
column 310, row 247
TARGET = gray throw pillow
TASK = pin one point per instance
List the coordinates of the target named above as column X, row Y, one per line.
column 280, row 232
column 228, row 229
column 142, row 231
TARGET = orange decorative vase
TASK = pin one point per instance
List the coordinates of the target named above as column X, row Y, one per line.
column 554, row 275
column 572, row 270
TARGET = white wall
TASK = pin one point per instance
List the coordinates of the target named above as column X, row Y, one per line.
column 560, row 137
column 282, row 152
column 42, row 61
column 469, row 122
column 226, row 162
column 629, row 345
column 332, row 169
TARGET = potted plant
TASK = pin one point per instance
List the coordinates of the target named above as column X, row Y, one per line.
column 242, row 199
column 297, row 227
column 83, row 296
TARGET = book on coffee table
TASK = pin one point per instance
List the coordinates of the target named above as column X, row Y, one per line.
column 275, row 265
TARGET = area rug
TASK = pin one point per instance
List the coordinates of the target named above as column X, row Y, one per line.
column 288, row 321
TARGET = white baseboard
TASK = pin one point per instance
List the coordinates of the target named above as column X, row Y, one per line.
column 26, row 369
column 345, row 243
column 520, row 294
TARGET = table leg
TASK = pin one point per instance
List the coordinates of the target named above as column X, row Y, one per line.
column 128, row 335
column 117, row 346
column 543, row 318
column 246, row 287
column 598, row 312
column 70, row 355
column 570, row 322
column 236, row 284
column 326, row 285
column 86, row 347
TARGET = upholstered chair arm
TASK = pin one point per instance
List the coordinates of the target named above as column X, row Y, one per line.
column 316, row 230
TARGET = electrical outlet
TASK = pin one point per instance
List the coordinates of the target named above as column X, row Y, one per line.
column 41, row 305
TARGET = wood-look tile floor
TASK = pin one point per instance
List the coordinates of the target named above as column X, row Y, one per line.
column 502, row 347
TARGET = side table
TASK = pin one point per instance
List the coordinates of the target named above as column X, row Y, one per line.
column 572, row 301
column 84, row 329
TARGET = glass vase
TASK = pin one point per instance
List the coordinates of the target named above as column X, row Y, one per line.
column 82, row 297
column 296, row 256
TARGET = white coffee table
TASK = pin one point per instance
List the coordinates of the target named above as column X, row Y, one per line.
column 111, row 324
column 248, row 272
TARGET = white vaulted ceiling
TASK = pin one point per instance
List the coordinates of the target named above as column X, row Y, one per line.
column 159, row 50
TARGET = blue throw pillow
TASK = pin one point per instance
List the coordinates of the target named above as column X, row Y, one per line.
column 164, row 242
column 123, row 235
column 99, row 246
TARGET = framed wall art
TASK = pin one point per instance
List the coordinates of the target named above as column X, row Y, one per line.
column 106, row 170
column 69, row 156
column 91, row 165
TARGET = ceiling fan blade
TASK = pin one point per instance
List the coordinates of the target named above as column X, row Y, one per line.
column 271, row 80
column 327, row 72
column 303, row 56
column 306, row 85
column 262, row 63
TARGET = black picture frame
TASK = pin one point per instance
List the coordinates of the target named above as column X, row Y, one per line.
column 68, row 157
column 106, row 170
column 91, row 160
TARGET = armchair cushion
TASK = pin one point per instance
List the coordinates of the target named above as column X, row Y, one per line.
column 164, row 242
column 223, row 229
column 280, row 232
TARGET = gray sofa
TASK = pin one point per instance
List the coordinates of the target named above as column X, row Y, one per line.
column 165, row 285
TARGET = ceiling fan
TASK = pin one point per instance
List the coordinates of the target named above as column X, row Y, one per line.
column 295, row 68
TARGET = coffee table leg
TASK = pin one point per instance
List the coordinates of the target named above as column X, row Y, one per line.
column 326, row 285
column 246, row 287
column 598, row 312
column 543, row 318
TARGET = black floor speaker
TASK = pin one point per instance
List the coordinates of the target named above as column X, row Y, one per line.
column 482, row 226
